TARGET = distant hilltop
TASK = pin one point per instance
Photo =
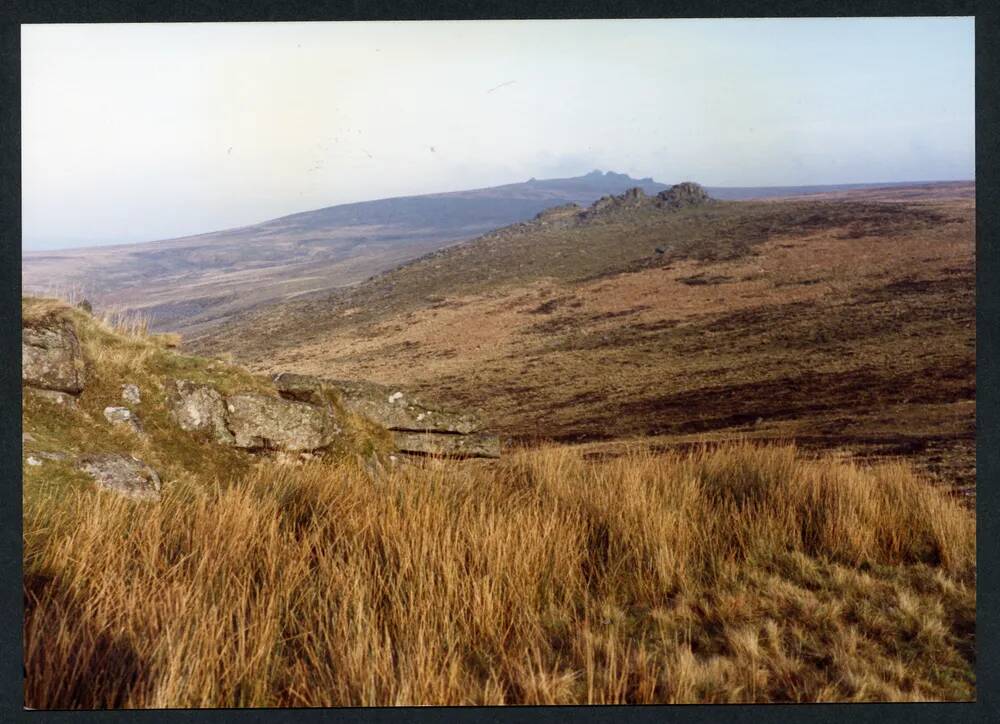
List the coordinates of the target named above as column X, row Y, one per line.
column 193, row 283
column 225, row 272
column 679, row 196
column 609, row 207
column 602, row 180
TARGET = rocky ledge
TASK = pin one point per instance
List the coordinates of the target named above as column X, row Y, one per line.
column 303, row 415
column 416, row 427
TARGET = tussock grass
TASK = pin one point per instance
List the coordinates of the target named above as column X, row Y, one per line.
column 40, row 310
column 741, row 573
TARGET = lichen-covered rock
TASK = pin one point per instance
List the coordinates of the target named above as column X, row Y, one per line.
column 131, row 394
column 51, row 358
column 123, row 416
column 272, row 423
column 398, row 410
column 198, row 408
column 126, row 476
column 475, row 445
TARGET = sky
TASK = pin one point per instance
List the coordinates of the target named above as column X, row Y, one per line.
column 136, row 132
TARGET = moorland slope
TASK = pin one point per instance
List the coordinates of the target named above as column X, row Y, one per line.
column 187, row 283
column 843, row 322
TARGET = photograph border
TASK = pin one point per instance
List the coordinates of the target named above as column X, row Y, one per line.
column 987, row 706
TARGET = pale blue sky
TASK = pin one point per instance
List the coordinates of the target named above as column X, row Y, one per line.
column 141, row 132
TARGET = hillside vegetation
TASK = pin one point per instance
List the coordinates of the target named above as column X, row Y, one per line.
column 846, row 323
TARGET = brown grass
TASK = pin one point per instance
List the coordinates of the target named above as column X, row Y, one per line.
column 737, row 574
column 859, row 344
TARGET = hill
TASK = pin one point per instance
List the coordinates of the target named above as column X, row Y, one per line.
column 191, row 283
column 170, row 561
column 845, row 322
column 183, row 284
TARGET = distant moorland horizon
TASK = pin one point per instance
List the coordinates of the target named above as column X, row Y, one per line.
column 722, row 191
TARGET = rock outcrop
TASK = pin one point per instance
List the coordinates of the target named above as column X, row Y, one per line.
column 415, row 426
column 480, row 445
column 308, row 416
column 302, row 388
column 198, row 408
column 395, row 409
column 633, row 198
column 557, row 214
column 126, row 476
column 51, row 358
column 679, row 196
column 263, row 422
column 252, row 420
column 683, row 195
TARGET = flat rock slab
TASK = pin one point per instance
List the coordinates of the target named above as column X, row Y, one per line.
column 126, row 476
column 395, row 409
column 123, row 416
column 428, row 443
column 263, row 422
column 51, row 358
column 198, row 408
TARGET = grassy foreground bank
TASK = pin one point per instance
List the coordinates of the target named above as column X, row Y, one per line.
column 743, row 573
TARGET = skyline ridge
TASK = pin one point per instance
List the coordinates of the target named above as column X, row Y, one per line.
column 804, row 188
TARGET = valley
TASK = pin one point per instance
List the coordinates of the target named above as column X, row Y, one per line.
column 842, row 322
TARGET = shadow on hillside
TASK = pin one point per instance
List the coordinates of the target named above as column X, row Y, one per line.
column 68, row 662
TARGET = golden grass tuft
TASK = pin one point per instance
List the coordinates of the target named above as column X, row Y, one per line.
column 736, row 574
column 40, row 310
